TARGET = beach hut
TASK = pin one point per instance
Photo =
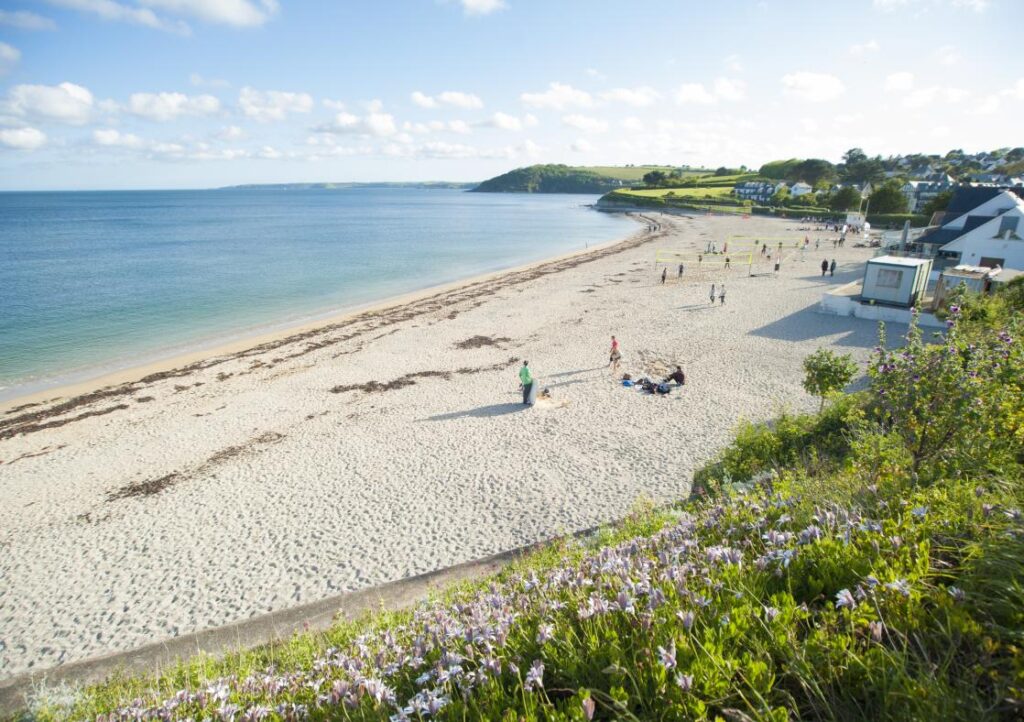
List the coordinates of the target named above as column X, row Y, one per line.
column 895, row 280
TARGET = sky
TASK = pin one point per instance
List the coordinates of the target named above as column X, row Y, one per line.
column 126, row 94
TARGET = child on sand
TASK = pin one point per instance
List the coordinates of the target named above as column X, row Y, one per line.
column 615, row 355
column 664, row 273
column 712, row 294
column 526, row 379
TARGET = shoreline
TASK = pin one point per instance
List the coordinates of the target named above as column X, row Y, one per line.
column 61, row 390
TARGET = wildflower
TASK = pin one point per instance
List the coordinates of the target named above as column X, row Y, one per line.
column 535, row 676
column 588, row 707
column 845, row 599
column 624, row 602
column 900, row 585
column 919, row 512
column 544, row 633
column 685, row 682
column 686, row 618
column 770, row 613
column 957, row 593
column 876, row 629
column 667, row 657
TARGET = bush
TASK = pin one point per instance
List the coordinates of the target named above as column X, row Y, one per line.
column 897, row 219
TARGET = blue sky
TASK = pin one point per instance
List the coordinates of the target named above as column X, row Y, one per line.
column 101, row 94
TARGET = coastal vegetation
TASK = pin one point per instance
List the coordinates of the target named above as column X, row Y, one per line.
column 573, row 179
column 865, row 562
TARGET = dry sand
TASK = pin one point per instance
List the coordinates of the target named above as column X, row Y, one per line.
column 390, row 443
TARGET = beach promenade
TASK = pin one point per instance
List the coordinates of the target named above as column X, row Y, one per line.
column 390, row 443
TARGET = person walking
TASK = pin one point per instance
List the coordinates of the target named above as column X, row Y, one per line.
column 721, row 295
column 832, row 268
column 526, row 379
column 614, row 356
column 712, row 294
column 680, row 271
column 824, row 267
column 727, row 261
column 817, row 243
column 764, row 248
column 664, row 275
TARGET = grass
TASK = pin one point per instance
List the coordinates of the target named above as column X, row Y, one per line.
column 637, row 172
column 687, row 193
column 831, row 567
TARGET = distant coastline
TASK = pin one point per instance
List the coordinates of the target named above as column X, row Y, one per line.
column 440, row 185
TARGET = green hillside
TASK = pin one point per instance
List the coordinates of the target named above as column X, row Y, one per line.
column 571, row 179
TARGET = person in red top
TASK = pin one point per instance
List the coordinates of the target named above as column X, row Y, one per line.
column 615, row 355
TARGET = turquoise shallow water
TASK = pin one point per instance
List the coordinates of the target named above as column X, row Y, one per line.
column 91, row 282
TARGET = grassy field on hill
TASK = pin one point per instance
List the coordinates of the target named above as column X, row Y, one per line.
column 862, row 563
column 636, row 173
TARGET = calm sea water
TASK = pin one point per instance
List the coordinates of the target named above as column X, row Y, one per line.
column 91, row 282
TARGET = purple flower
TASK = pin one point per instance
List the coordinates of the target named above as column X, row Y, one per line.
column 900, row 585
column 770, row 613
column 876, row 629
column 845, row 599
column 685, row 682
column 919, row 512
column 667, row 657
column 535, row 676
column 588, row 707
column 686, row 618
column 957, row 593
column 544, row 633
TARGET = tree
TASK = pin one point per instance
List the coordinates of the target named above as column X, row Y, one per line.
column 888, row 198
column 826, row 373
column 780, row 196
column 845, row 199
column 938, row 203
column 858, row 168
column 654, row 178
column 814, row 171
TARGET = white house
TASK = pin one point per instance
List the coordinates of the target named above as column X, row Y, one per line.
column 996, row 242
column 800, row 189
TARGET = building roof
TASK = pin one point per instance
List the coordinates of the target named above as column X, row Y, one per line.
column 899, row 261
column 964, row 200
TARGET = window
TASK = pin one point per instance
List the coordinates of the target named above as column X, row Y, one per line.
column 887, row 278
column 991, row 262
column 1008, row 223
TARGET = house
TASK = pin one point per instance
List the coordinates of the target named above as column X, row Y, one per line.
column 976, row 279
column 982, row 226
column 895, row 280
column 800, row 189
column 758, row 192
column 919, row 192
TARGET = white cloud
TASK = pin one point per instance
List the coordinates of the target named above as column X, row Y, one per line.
column 22, row 138
column 239, row 13
column 585, row 123
column 978, row 6
column 269, row 153
column 112, row 138
column 231, row 132
column 812, row 87
column 558, row 96
column 9, row 57
column 948, row 55
column 66, row 103
column 376, row 105
column 454, row 98
column 899, row 82
column 481, row 7
column 168, row 106
column 988, row 106
column 926, row 96
column 200, row 82
column 639, row 97
column 267, row 105
column 861, row 49
column 633, row 123
column 422, row 100
column 1016, row 90
column 110, row 10
column 335, row 105
column 595, row 73
column 504, row 121
column 730, row 89
column 380, row 125
column 25, row 20
column 733, row 64
column 694, row 93
column 892, row 5
column 581, row 145
column 459, row 126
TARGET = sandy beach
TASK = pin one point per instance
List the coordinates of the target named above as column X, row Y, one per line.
column 391, row 442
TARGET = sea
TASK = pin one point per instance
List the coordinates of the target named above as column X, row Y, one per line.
column 95, row 282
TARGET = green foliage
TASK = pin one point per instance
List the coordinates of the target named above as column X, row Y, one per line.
column 548, row 179
column 888, row 198
column 655, row 178
column 858, row 168
column 896, row 220
column 936, row 204
column 845, row 199
column 779, row 169
column 827, row 373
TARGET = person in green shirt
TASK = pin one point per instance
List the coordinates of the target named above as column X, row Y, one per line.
column 526, row 378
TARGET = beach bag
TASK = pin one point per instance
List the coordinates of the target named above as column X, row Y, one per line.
column 627, row 383
column 663, row 388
